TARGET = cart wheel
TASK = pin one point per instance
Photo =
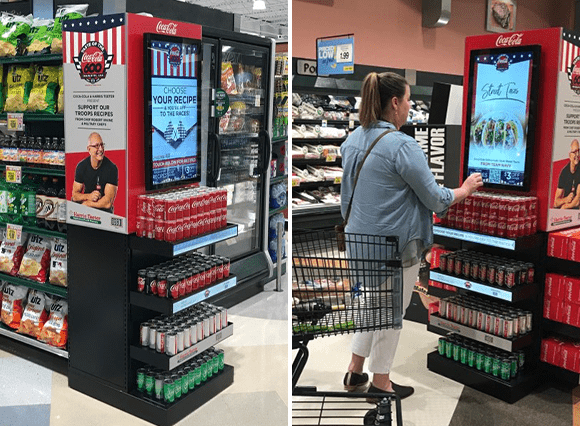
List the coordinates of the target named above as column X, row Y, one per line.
column 370, row 417
column 380, row 416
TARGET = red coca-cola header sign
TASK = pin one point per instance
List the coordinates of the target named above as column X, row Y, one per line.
column 93, row 57
column 513, row 40
column 170, row 28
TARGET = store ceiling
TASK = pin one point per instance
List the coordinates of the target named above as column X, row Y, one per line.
column 276, row 11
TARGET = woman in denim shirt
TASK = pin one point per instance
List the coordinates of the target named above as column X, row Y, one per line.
column 396, row 194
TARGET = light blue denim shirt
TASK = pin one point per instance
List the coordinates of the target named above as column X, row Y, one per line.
column 396, row 192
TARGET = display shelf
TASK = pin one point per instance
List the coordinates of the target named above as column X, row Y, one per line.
column 279, row 139
column 36, row 116
column 488, row 240
column 170, row 249
column 314, row 185
column 443, row 326
column 166, row 362
column 315, row 209
column 278, row 210
column 153, row 412
column 299, row 121
column 318, row 141
column 440, row 292
column 170, row 306
column 301, row 162
column 27, row 59
column 509, row 392
column 46, row 288
column 516, row 294
column 31, row 341
column 555, row 264
column 277, row 179
column 566, row 330
column 39, row 231
column 36, row 170
column 560, row 375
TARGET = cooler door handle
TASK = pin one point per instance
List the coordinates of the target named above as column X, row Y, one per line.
column 216, row 148
column 264, row 137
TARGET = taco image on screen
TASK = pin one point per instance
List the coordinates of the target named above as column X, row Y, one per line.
column 498, row 130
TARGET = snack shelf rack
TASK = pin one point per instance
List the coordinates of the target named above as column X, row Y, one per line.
column 44, row 287
column 31, row 341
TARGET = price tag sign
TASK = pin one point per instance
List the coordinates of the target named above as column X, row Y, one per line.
column 295, row 182
column 15, row 122
column 14, row 174
column 351, row 124
column 344, row 53
column 337, row 180
column 324, row 123
column 257, row 101
column 330, row 158
column 13, row 232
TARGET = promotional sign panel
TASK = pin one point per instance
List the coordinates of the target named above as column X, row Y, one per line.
column 335, row 56
column 96, row 122
column 564, row 206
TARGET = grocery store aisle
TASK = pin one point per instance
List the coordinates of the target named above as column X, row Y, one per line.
column 31, row 395
column 437, row 401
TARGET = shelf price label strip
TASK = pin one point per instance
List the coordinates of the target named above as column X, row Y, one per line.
column 205, row 240
column 480, row 336
column 472, row 286
column 487, row 240
column 203, row 295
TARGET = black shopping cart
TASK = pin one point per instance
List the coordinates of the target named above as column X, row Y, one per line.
column 336, row 292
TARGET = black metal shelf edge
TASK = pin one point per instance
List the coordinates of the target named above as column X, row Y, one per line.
column 314, row 185
column 514, row 244
column 35, row 116
column 53, row 57
column 317, row 140
column 39, row 231
column 315, row 162
column 560, row 375
column 46, row 288
column 566, row 330
column 320, row 120
column 279, row 139
column 170, row 249
column 509, row 392
column 555, row 264
column 36, row 170
column 440, row 292
column 31, row 341
column 283, row 178
column 316, row 209
column 170, row 306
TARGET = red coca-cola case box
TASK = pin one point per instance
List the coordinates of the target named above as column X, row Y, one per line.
column 552, row 288
column 570, row 290
column 553, row 309
column 574, row 246
column 570, row 313
column 569, row 357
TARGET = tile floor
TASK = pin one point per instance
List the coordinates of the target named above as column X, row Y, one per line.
column 31, row 395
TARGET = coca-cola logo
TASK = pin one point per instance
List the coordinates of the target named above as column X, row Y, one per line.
column 173, row 208
column 513, row 40
column 502, row 64
column 170, row 28
column 93, row 61
column 574, row 75
column 174, row 55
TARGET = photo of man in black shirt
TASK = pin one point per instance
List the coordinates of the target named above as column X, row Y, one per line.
column 96, row 177
column 568, row 193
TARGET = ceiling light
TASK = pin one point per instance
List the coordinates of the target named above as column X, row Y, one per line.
column 259, row 5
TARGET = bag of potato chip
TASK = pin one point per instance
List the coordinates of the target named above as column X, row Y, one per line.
column 14, row 35
column 40, row 36
column 19, row 80
column 13, row 300
column 58, row 262
column 42, row 97
column 55, row 330
column 34, row 315
column 60, row 100
column 11, row 253
column 2, row 91
column 36, row 260
column 64, row 13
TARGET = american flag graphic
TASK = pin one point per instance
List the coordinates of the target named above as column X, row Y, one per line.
column 570, row 50
column 160, row 66
column 108, row 30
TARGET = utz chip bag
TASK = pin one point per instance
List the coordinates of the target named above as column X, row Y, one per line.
column 35, row 314
column 55, row 330
column 64, row 13
column 40, row 36
column 36, row 260
column 19, row 80
column 14, row 34
column 228, row 79
column 2, row 91
column 11, row 253
column 42, row 96
column 58, row 262
column 13, row 300
column 60, row 100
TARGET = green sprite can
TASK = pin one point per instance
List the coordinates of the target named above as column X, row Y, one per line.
column 216, row 363
column 441, row 345
column 190, row 376
column 487, row 363
column 141, row 372
column 159, row 386
column 449, row 349
column 209, row 364
column 149, row 382
column 479, row 360
column 220, row 353
column 197, row 374
column 463, row 355
column 177, row 380
column 513, row 366
column 495, row 366
column 168, row 391
column 456, row 350
column 203, row 370
column 184, row 381
column 505, row 369
column 521, row 359
column 470, row 357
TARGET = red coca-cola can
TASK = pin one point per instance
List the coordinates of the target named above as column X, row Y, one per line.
column 223, row 198
column 528, row 225
column 477, row 200
column 149, row 207
column 149, row 227
column 173, row 286
column 534, row 206
column 171, row 208
column 159, row 230
column 226, row 267
column 492, row 226
column 158, row 208
column 534, row 227
column 502, row 211
column 459, row 219
column 467, row 221
column 193, row 226
column 206, row 201
column 219, row 269
column 186, row 206
column 513, row 207
column 485, row 204
column 182, row 281
column 162, row 285
column 468, row 206
column 196, row 203
column 521, row 226
column 170, row 230
column 484, row 225
column 140, row 225
column 188, row 282
column 493, row 208
column 476, row 221
column 224, row 221
column 512, row 227
column 502, row 226
column 450, row 219
column 213, row 223
column 142, row 205
column 186, row 228
column 206, row 221
column 195, row 279
column 178, row 229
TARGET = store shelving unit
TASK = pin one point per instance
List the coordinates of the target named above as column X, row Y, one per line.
column 31, row 341
column 528, row 296
column 36, row 170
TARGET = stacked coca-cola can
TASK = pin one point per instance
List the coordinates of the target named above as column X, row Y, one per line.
column 489, row 317
column 494, row 214
column 487, row 269
column 177, row 215
column 173, row 334
column 182, row 275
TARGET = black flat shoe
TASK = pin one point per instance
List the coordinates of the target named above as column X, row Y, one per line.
column 354, row 382
column 402, row 391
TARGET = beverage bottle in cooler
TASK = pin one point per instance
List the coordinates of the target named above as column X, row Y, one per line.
column 40, row 199
column 60, row 153
column 54, row 152
column 2, row 139
column 23, row 151
column 36, row 150
column 13, row 199
column 29, row 147
column 50, row 205
column 28, row 201
column 61, row 219
column 13, row 149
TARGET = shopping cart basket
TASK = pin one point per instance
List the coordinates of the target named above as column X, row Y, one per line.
column 335, row 292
